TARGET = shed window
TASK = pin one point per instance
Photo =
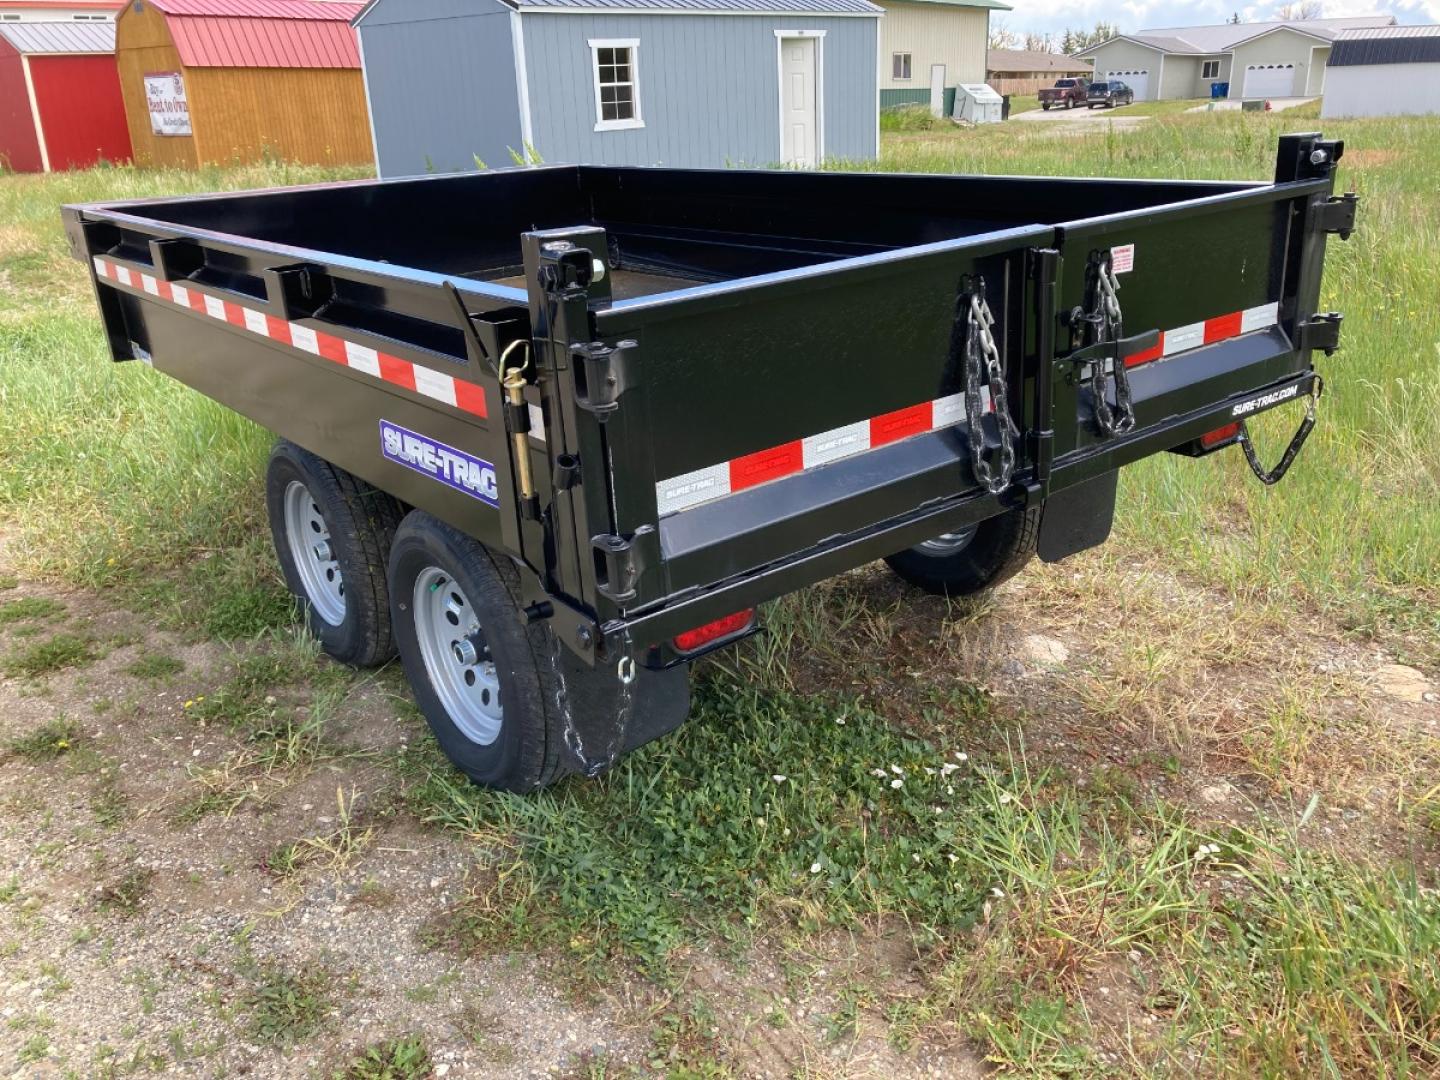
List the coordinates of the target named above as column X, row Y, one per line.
column 900, row 65
column 617, row 84
column 1210, row 69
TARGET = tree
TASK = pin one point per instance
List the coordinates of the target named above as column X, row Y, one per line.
column 1299, row 11
column 1073, row 41
column 1235, row 19
column 1001, row 36
column 1039, row 43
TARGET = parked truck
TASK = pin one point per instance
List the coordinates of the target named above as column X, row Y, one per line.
column 554, row 433
column 1066, row 92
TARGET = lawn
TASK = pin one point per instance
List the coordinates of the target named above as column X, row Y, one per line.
column 1071, row 898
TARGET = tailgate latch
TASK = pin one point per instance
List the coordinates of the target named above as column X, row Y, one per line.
column 1320, row 332
column 1337, row 215
column 602, row 374
column 620, row 560
column 1103, row 324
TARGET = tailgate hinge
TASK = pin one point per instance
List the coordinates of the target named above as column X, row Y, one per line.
column 620, row 560
column 1320, row 332
column 1337, row 215
column 602, row 374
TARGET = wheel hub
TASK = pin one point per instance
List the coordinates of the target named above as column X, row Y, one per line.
column 308, row 537
column 948, row 543
column 456, row 656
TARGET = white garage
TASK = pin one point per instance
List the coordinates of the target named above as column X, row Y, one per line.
column 1137, row 80
column 1269, row 81
column 1389, row 71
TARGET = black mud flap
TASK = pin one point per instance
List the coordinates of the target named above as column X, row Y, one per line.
column 1078, row 517
column 607, row 719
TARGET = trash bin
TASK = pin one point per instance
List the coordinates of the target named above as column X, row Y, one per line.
column 1005, row 107
column 1219, row 89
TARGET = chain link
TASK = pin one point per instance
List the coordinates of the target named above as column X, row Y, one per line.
column 983, row 365
column 1120, row 418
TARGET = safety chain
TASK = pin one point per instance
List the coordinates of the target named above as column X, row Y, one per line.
column 1270, row 477
column 982, row 361
column 1110, row 327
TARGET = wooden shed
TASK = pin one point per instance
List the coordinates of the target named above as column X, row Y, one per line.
column 234, row 81
column 60, row 104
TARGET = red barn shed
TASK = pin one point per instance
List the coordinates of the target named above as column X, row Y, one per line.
column 60, row 101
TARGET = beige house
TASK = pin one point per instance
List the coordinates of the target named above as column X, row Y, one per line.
column 1028, row 64
column 1256, row 60
column 928, row 47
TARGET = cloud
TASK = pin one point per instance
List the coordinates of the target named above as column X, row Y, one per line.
column 1053, row 16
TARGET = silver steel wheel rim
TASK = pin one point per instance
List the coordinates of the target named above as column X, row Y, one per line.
column 457, row 660
column 948, row 543
column 312, row 552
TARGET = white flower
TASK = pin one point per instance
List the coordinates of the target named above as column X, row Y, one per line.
column 949, row 789
column 840, row 720
column 948, row 768
column 1206, row 851
column 897, row 783
column 760, row 821
column 961, row 756
column 814, row 868
column 879, row 773
column 786, row 832
column 997, row 892
column 1006, row 797
column 778, row 778
column 915, row 858
column 897, row 770
column 953, row 858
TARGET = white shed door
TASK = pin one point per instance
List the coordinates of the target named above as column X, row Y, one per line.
column 1139, row 81
column 1269, row 80
column 798, row 126
column 937, row 89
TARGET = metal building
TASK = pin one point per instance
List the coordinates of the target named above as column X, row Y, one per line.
column 60, row 105
column 1385, row 71
column 234, row 81
column 686, row 83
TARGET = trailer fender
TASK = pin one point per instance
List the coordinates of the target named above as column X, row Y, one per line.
column 1078, row 517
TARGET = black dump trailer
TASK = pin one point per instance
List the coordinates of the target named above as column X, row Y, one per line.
column 554, row 432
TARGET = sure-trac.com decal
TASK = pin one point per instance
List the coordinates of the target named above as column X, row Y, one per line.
column 454, row 468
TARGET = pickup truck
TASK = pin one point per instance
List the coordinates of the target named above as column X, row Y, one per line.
column 1070, row 92
column 555, row 432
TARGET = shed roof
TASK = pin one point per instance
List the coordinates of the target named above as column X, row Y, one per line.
column 37, row 38
column 1387, row 45
column 1030, row 60
column 1214, row 40
column 262, row 33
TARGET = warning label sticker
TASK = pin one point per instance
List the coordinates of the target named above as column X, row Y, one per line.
column 1122, row 259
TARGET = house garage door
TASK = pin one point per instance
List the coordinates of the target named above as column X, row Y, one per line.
column 1269, row 80
column 1139, row 81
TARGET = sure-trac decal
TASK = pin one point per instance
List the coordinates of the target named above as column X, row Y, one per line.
column 428, row 457
column 1275, row 397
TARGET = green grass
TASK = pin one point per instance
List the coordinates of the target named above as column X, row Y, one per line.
column 30, row 609
column 402, row 1058
column 287, row 1006
column 51, row 740
column 153, row 665
column 49, row 656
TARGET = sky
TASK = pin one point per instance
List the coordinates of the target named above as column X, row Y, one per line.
column 1053, row 16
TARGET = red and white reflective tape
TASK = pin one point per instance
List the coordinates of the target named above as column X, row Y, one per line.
column 462, row 395
column 1221, row 328
column 717, row 481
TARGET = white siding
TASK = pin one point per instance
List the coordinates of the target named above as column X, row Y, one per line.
column 1382, row 90
column 933, row 34
column 1127, row 56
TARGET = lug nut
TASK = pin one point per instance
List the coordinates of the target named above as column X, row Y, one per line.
column 465, row 652
column 322, row 551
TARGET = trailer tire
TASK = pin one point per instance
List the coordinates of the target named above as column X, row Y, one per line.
column 517, row 745
column 357, row 522
column 997, row 550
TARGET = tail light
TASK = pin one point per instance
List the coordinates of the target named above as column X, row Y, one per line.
column 695, row 640
column 1211, row 439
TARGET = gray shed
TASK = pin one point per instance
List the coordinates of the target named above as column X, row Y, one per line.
column 683, row 83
